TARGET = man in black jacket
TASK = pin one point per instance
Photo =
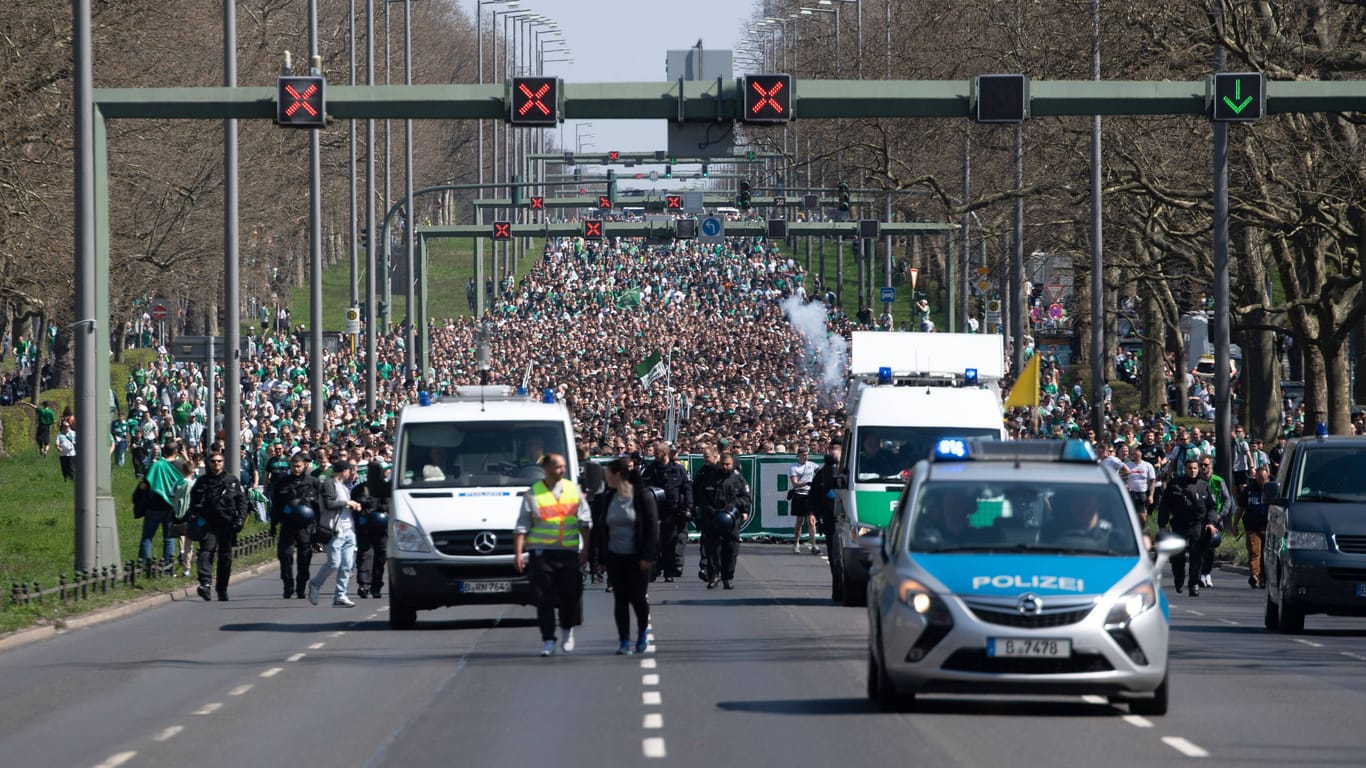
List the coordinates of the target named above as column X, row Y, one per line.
column 289, row 495
column 718, row 489
column 675, row 506
column 1188, row 506
column 823, row 494
column 220, row 506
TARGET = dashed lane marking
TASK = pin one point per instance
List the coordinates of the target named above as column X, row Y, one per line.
column 240, row 690
column 272, row 672
column 654, row 747
column 169, row 733
column 1230, row 622
column 209, row 709
column 650, row 698
column 1095, row 699
column 316, row 646
column 1138, row 721
column 1184, row 747
column 648, row 663
column 1309, row 643
column 338, row 633
column 653, row 721
column 114, row 761
column 649, row 680
column 1351, row 655
column 1194, row 613
column 295, row 657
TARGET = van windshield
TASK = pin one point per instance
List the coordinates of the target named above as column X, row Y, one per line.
column 1330, row 473
column 884, row 453
column 481, row 453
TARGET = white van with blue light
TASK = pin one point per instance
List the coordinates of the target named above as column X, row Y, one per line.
column 461, row 466
column 1017, row 567
column 906, row 391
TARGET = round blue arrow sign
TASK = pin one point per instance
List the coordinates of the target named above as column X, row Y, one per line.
column 711, row 226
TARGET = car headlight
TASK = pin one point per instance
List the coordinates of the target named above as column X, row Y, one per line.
column 915, row 595
column 409, row 538
column 1306, row 540
column 1133, row 603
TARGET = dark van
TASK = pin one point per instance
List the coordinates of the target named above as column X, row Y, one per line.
column 1314, row 560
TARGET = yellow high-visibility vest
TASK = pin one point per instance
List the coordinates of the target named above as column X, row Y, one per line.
column 556, row 522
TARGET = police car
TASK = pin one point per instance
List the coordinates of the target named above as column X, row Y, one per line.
column 1017, row 567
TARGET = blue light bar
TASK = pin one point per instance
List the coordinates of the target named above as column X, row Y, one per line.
column 884, row 375
column 548, row 396
column 970, row 376
column 951, row 449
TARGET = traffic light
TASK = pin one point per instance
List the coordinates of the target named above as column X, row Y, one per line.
column 364, row 237
column 1237, row 96
column 704, row 170
column 613, row 156
column 768, row 98
column 516, row 191
column 669, row 169
column 299, row 101
column 742, row 200
column 592, row 229
column 578, row 174
column 1002, row 98
column 502, row 230
column 611, row 188
column 685, row 229
column 750, row 154
column 534, row 101
column 844, row 196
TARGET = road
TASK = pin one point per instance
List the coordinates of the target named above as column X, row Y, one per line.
column 768, row 674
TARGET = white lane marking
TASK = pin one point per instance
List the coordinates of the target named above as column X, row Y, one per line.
column 649, row 679
column 1351, row 655
column 1230, row 622
column 239, row 690
column 115, row 761
column 316, row 646
column 295, row 657
column 1184, row 747
column 650, row 648
column 169, row 733
column 654, row 747
column 650, row 698
column 374, row 615
column 337, row 634
column 1194, row 613
column 1138, row 721
column 272, row 672
column 1309, row 643
column 1095, row 699
column 648, row 663
column 209, row 709
column 653, row 721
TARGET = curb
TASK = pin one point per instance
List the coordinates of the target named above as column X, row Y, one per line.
column 22, row 637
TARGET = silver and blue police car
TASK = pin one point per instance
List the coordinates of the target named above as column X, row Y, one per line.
column 1017, row 567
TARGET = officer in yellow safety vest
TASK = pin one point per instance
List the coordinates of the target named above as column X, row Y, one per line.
column 554, row 523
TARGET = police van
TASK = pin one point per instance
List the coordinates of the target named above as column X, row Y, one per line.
column 906, row 390
column 1017, row 567
column 460, row 469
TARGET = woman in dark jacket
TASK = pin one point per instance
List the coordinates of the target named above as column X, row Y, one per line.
column 626, row 536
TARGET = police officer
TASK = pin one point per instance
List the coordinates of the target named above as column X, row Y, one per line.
column 372, row 530
column 1188, row 506
column 220, row 507
column 823, row 492
column 294, row 503
column 675, row 507
column 553, row 520
column 723, row 501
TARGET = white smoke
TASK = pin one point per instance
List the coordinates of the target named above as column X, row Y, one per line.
column 827, row 355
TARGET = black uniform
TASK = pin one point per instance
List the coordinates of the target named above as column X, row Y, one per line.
column 1188, row 506
column 592, row 483
column 294, row 533
column 674, row 510
column 372, row 531
column 218, row 501
column 717, row 490
column 823, row 493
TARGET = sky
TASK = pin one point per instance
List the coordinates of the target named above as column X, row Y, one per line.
column 626, row 41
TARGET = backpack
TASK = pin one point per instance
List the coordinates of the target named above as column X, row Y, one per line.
column 180, row 499
column 140, row 499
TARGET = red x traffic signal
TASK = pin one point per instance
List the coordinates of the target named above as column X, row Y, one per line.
column 535, row 101
column 299, row 102
column 592, row 229
column 604, row 202
column 538, row 203
column 673, row 202
column 613, row 156
column 502, row 230
column 768, row 98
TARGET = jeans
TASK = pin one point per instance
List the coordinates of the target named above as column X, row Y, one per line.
column 157, row 519
column 341, row 557
column 629, row 587
column 120, row 451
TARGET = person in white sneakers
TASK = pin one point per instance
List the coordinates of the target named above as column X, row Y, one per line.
column 553, row 528
column 338, row 516
column 800, row 476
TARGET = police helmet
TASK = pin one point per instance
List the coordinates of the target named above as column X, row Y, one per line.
column 1216, row 540
column 725, row 520
column 304, row 512
column 379, row 519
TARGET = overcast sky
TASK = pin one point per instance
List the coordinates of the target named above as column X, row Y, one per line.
column 626, row 41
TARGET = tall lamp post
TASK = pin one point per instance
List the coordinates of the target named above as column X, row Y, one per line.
column 479, row 45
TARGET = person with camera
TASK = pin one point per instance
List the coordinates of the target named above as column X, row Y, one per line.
column 675, row 507
column 337, row 526
column 372, row 530
column 723, row 500
column 218, row 505
column 294, row 504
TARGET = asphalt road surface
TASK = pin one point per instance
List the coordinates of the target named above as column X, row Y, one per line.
column 769, row 674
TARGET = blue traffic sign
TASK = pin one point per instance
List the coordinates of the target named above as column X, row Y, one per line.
column 711, row 226
column 888, row 294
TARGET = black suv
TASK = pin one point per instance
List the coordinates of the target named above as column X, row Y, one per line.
column 1314, row 559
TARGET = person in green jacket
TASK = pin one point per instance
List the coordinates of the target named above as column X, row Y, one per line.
column 42, row 433
column 1223, row 505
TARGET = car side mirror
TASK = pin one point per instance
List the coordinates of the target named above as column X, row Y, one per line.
column 1167, row 545
column 1271, row 492
column 871, row 542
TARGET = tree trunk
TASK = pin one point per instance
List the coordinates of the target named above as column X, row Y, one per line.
column 62, row 359
column 1339, row 403
column 39, row 338
column 117, row 340
column 1154, row 378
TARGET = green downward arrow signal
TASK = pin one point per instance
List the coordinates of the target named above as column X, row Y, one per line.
column 1237, row 103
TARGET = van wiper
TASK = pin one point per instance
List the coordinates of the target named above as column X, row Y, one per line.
column 1323, row 497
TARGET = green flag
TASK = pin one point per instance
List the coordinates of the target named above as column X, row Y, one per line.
column 650, row 369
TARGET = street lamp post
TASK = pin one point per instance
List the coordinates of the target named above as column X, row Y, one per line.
column 479, row 44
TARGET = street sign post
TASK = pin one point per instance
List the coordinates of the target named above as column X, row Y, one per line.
column 352, row 324
column 888, row 294
column 711, row 229
column 160, row 313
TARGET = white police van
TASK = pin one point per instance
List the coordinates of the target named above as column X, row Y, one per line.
column 906, row 391
column 1017, row 567
column 461, row 466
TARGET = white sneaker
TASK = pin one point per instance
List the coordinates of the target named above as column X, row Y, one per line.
column 796, row 549
column 343, row 602
column 568, row 643
column 815, row 550
column 1209, row 580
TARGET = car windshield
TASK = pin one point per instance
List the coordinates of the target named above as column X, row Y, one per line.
column 884, row 453
column 1332, row 473
column 1069, row 519
column 482, row 453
